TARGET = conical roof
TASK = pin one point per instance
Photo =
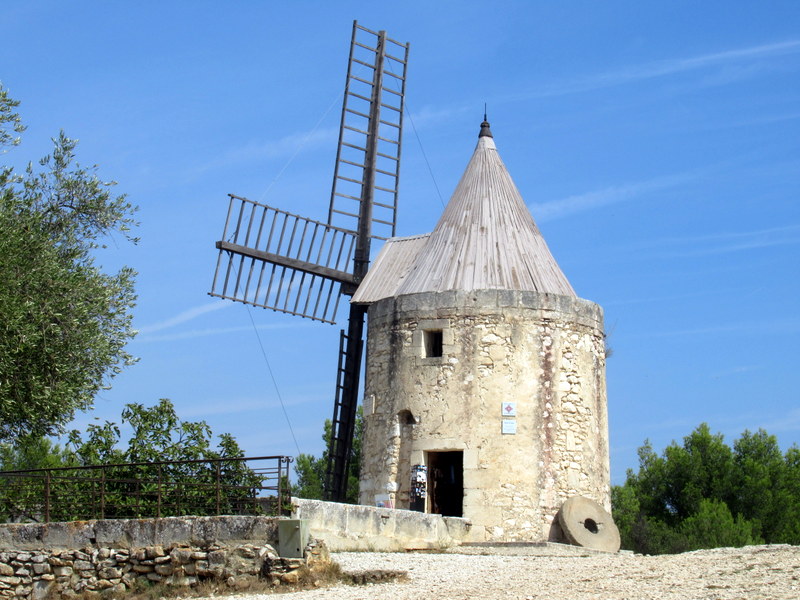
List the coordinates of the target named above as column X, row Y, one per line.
column 485, row 239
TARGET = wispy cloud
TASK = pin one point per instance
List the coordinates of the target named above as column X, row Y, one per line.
column 786, row 326
column 229, row 406
column 735, row 371
column 681, row 65
column 280, row 440
column 557, row 209
column 728, row 123
column 724, row 242
column 667, row 67
column 673, row 297
column 431, row 114
column 183, row 317
column 286, row 147
column 766, row 120
column 197, row 333
column 786, row 422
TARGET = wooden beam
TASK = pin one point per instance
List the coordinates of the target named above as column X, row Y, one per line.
column 291, row 263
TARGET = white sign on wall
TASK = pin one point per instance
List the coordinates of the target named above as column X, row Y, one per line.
column 509, row 409
column 509, row 427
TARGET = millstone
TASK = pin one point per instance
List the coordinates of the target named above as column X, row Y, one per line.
column 585, row 523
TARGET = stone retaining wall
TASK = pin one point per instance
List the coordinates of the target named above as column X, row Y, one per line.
column 105, row 558
column 353, row 527
column 139, row 533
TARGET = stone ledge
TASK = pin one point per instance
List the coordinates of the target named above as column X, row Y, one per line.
column 525, row 549
column 436, row 305
column 355, row 527
column 136, row 533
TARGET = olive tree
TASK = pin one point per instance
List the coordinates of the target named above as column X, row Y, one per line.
column 64, row 322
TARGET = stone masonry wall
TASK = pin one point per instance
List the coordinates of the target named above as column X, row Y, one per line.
column 545, row 353
column 352, row 527
column 106, row 558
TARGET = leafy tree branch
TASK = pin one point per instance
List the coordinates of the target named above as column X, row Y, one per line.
column 64, row 322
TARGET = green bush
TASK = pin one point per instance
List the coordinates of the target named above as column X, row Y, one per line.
column 713, row 526
column 705, row 494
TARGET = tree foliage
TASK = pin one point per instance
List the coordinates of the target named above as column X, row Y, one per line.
column 140, row 489
column 34, row 453
column 64, row 322
column 705, row 494
column 311, row 470
column 10, row 121
column 157, row 435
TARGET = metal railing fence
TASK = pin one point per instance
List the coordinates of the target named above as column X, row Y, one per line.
column 201, row 487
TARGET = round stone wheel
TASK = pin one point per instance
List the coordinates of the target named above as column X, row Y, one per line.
column 585, row 523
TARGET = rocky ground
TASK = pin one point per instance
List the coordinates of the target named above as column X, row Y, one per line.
column 755, row 572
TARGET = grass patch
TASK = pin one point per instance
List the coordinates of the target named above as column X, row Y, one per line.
column 376, row 576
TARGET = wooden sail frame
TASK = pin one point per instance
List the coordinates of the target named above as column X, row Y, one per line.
column 274, row 259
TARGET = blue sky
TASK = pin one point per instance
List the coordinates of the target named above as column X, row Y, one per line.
column 656, row 144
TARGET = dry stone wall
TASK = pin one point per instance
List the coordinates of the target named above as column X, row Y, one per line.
column 542, row 353
column 65, row 559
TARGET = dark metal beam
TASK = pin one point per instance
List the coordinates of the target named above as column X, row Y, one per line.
column 292, row 263
column 344, row 415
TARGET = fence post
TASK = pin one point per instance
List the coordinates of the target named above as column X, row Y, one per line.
column 158, row 492
column 47, row 496
column 280, row 487
column 218, row 487
column 103, row 493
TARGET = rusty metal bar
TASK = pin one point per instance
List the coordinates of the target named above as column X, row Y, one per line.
column 103, row 494
column 218, row 490
column 158, row 491
column 47, row 497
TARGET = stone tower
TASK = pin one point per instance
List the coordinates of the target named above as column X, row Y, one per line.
column 485, row 373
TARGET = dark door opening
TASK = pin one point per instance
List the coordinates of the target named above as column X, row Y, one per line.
column 446, row 483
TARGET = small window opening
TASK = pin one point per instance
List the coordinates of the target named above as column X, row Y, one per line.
column 433, row 343
column 405, row 417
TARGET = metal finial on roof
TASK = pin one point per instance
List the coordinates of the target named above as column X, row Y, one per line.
column 485, row 131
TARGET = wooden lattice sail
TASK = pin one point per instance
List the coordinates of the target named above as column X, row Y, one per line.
column 274, row 259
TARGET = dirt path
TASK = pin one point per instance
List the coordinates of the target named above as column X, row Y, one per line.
column 756, row 572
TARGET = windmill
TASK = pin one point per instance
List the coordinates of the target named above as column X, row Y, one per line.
column 288, row 263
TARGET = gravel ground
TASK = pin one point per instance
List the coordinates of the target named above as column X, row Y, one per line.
column 755, row 572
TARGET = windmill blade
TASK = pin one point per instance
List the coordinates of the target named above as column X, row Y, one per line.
column 288, row 263
column 277, row 260
column 367, row 172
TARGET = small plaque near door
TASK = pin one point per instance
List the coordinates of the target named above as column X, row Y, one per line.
column 509, row 409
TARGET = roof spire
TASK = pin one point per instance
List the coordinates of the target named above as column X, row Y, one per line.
column 485, row 131
column 486, row 239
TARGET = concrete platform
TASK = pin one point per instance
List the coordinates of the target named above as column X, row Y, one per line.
column 526, row 549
